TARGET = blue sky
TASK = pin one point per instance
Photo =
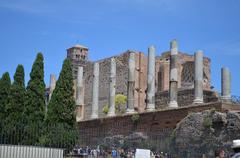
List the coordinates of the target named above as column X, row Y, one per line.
column 109, row 27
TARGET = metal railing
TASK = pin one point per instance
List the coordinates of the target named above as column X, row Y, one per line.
column 235, row 99
column 27, row 139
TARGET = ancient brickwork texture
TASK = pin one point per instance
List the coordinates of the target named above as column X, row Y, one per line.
column 185, row 71
column 149, row 123
column 185, row 98
column 121, row 81
column 185, row 77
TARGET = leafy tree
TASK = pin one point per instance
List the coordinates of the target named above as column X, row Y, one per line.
column 5, row 84
column 61, row 109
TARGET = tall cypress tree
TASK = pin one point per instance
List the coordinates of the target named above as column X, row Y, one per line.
column 61, row 108
column 35, row 92
column 34, row 106
column 5, row 85
column 15, row 108
column 17, row 96
column 62, row 105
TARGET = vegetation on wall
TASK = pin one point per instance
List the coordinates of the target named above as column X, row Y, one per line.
column 105, row 109
column 207, row 122
column 120, row 103
column 135, row 118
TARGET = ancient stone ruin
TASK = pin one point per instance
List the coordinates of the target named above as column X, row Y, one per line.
column 161, row 90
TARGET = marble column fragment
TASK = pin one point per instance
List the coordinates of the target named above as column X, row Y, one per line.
column 131, row 83
column 80, row 88
column 198, row 77
column 112, row 88
column 80, row 94
column 151, row 79
column 52, row 85
column 173, row 86
column 226, row 84
column 95, row 91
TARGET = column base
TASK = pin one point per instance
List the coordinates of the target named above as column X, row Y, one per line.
column 94, row 116
column 111, row 114
column 150, row 107
column 173, row 104
column 130, row 111
column 226, row 98
column 198, row 101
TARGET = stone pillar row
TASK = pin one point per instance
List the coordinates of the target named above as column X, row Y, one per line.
column 150, row 101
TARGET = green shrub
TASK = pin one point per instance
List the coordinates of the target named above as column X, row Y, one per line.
column 207, row 122
column 135, row 118
column 120, row 103
column 105, row 109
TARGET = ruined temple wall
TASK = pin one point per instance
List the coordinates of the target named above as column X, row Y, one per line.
column 185, row 71
column 121, row 81
column 161, row 79
column 185, row 98
column 140, row 82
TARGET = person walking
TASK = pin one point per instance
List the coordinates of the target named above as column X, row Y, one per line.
column 236, row 148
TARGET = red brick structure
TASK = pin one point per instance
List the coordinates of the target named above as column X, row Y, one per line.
column 149, row 123
column 79, row 57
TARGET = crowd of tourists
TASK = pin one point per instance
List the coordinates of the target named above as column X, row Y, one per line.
column 113, row 153
column 87, row 152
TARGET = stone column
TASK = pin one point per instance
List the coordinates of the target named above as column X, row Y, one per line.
column 151, row 79
column 131, row 83
column 80, row 94
column 173, row 79
column 226, row 84
column 52, row 85
column 198, row 78
column 95, row 91
column 112, row 88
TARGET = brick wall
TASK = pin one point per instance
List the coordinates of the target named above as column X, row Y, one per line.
column 121, row 81
column 149, row 123
column 161, row 80
column 185, row 97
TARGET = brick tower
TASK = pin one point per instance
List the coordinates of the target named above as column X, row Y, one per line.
column 78, row 55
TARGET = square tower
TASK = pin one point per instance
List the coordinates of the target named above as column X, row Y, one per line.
column 78, row 55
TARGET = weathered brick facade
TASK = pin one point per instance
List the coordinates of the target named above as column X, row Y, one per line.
column 149, row 123
column 121, row 81
column 79, row 57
